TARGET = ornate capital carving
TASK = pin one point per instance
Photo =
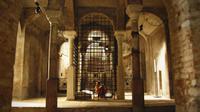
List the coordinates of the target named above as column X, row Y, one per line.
column 132, row 25
column 70, row 34
column 133, row 11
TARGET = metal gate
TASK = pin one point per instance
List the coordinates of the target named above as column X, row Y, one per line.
column 96, row 57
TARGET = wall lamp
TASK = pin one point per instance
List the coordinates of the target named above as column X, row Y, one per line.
column 37, row 8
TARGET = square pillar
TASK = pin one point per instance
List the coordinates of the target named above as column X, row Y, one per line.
column 133, row 11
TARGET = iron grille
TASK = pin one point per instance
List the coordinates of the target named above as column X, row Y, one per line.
column 96, row 56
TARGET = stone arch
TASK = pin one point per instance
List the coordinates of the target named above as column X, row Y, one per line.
column 31, row 48
column 154, row 34
column 100, row 14
column 83, row 19
column 163, row 16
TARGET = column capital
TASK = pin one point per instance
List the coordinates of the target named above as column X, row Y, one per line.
column 119, row 35
column 53, row 16
column 133, row 11
column 70, row 34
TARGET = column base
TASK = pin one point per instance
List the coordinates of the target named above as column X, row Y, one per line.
column 5, row 108
column 71, row 83
column 120, row 83
column 51, row 95
column 138, row 95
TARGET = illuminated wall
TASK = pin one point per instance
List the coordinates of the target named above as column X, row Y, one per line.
column 64, row 64
column 158, row 63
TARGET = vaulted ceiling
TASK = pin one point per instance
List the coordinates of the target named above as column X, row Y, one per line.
column 149, row 21
column 94, row 3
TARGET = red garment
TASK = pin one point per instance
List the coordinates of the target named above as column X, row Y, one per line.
column 102, row 91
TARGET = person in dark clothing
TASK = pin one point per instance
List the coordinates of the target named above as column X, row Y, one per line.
column 102, row 91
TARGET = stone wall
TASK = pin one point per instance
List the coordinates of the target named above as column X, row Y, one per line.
column 37, row 52
column 194, row 91
column 9, row 16
column 184, row 31
column 30, row 80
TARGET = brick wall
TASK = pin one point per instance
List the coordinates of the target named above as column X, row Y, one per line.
column 194, row 91
column 184, row 32
column 9, row 16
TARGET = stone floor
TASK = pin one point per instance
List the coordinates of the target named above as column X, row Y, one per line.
column 63, row 103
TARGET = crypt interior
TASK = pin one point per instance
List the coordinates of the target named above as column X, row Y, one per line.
column 99, row 56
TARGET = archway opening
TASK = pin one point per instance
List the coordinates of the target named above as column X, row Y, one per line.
column 30, row 69
column 154, row 56
column 96, row 65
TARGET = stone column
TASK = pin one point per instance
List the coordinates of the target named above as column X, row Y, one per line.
column 71, row 80
column 119, row 35
column 133, row 12
column 53, row 62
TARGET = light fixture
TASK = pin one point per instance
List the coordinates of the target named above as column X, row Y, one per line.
column 37, row 8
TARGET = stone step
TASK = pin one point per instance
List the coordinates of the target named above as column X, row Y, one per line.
column 97, row 109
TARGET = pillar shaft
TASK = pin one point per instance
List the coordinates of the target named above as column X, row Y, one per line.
column 120, row 70
column 71, row 79
column 53, row 66
column 138, row 84
column 71, row 50
column 133, row 12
